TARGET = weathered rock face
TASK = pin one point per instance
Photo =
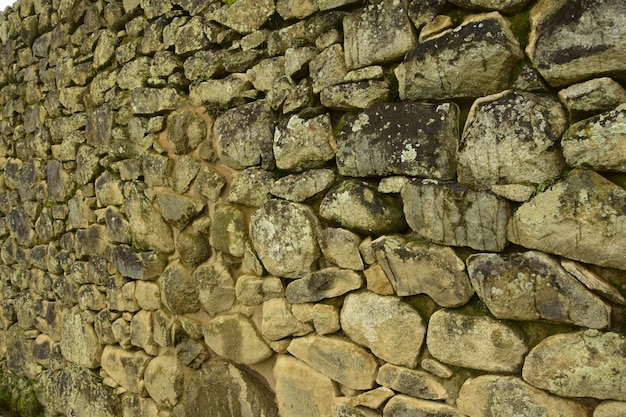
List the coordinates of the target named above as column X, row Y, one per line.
column 580, row 217
column 454, row 215
column 391, row 329
column 418, row 384
column 555, row 43
column 441, row 68
column 521, row 131
column 79, row 342
column 532, row 286
column 580, row 364
column 403, row 138
column 325, row 283
column 406, row 406
column 488, row 344
column 285, row 237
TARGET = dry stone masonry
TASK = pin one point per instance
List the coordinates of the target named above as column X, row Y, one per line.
column 324, row 208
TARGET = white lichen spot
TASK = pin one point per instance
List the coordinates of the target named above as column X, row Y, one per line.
column 408, row 154
column 361, row 121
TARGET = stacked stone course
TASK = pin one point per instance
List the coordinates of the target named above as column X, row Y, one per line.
column 336, row 208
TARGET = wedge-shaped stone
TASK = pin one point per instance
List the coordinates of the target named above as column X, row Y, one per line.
column 236, row 338
column 284, row 235
column 391, row 329
column 244, row 136
column 453, row 215
column 580, row 364
column 490, row 395
column 520, row 131
column 598, row 143
column 583, row 217
column 325, row 283
column 341, row 247
column 444, row 67
column 589, row 42
column 400, row 138
column 338, row 358
column 381, row 32
column 418, row 384
column 532, row 286
column 405, row 406
column 357, row 206
column 178, row 210
column 294, row 395
column 147, row 227
column 414, row 268
column 477, row 342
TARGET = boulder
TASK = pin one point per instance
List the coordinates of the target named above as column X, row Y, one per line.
column 489, row 395
column 178, row 210
column 610, row 409
column 324, row 283
column 444, row 67
column 414, row 268
column 580, row 217
column 391, row 329
column 533, row 286
column 355, row 95
column 146, row 266
column 586, row 363
column 284, row 235
column 339, row 358
column 586, row 44
column 476, row 342
column 251, row 187
column 450, row 214
column 252, row 290
column 401, row 138
column 510, row 138
column 185, row 131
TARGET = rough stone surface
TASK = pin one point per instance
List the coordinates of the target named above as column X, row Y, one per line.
column 580, row 364
column 414, row 268
column 598, row 143
column 300, row 187
column 454, row 215
column 580, row 218
column 488, row 344
column 79, row 342
column 442, row 68
column 216, row 288
column 178, row 290
column 521, row 130
column 505, row 6
column 285, row 238
column 507, row 395
column 555, row 43
column 228, row 230
column 592, row 97
column 402, row 138
column 245, row 16
column 610, row 409
column 147, row 227
column 279, row 322
column 338, row 358
column 164, row 380
column 341, row 247
column 324, row 283
column 125, row 367
column 418, row 384
column 405, row 406
column 532, row 286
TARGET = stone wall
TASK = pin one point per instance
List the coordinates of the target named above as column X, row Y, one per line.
column 313, row 207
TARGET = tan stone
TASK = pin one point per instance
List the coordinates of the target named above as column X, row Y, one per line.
column 164, row 380
column 405, row 406
column 326, row 318
column 418, row 384
column 79, row 341
column 125, row 367
column 279, row 322
column 377, row 280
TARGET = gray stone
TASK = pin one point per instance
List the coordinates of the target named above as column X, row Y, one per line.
column 451, row 214
column 533, row 286
column 414, row 268
column 209, row 183
column 297, row 59
column 21, row 227
column 301, row 144
column 216, row 288
column 294, row 395
column 284, row 236
column 185, row 131
column 118, row 229
column 279, row 322
column 403, row 138
column 223, row 92
column 341, row 247
column 514, row 192
column 235, row 391
column 405, row 406
column 164, row 380
column 19, row 353
column 338, row 358
column 134, row 74
column 105, row 49
column 593, row 281
column 504, row 6
column 555, row 43
column 328, row 68
column 356, row 206
column 147, row 100
column 185, row 170
column 109, row 190
column 598, row 143
column 324, row 283
column 191, row 37
column 378, row 33
column 252, row 290
column 228, row 230
column 300, row 187
column 444, row 67
column 579, row 364
column 418, row 384
column 488, row 344
column 156, row 170
column 75, row 390
column 178, row 210
column 355, row 96
column 245, row 136
column 521, row 131
column 296, row 8
column 489, row 395
column 178, row 290
column 193, row 244
column 147, row 227
column 203, row 65
column 391, row 329
column 125, row 367
column 79, row 342
column 236, row 338
column 434, row 28
column 372, row 399
column 264, row 75
column 572, row 219
column 251, row 187
column 60, row 184
column 592, row 97
column 245, row 16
